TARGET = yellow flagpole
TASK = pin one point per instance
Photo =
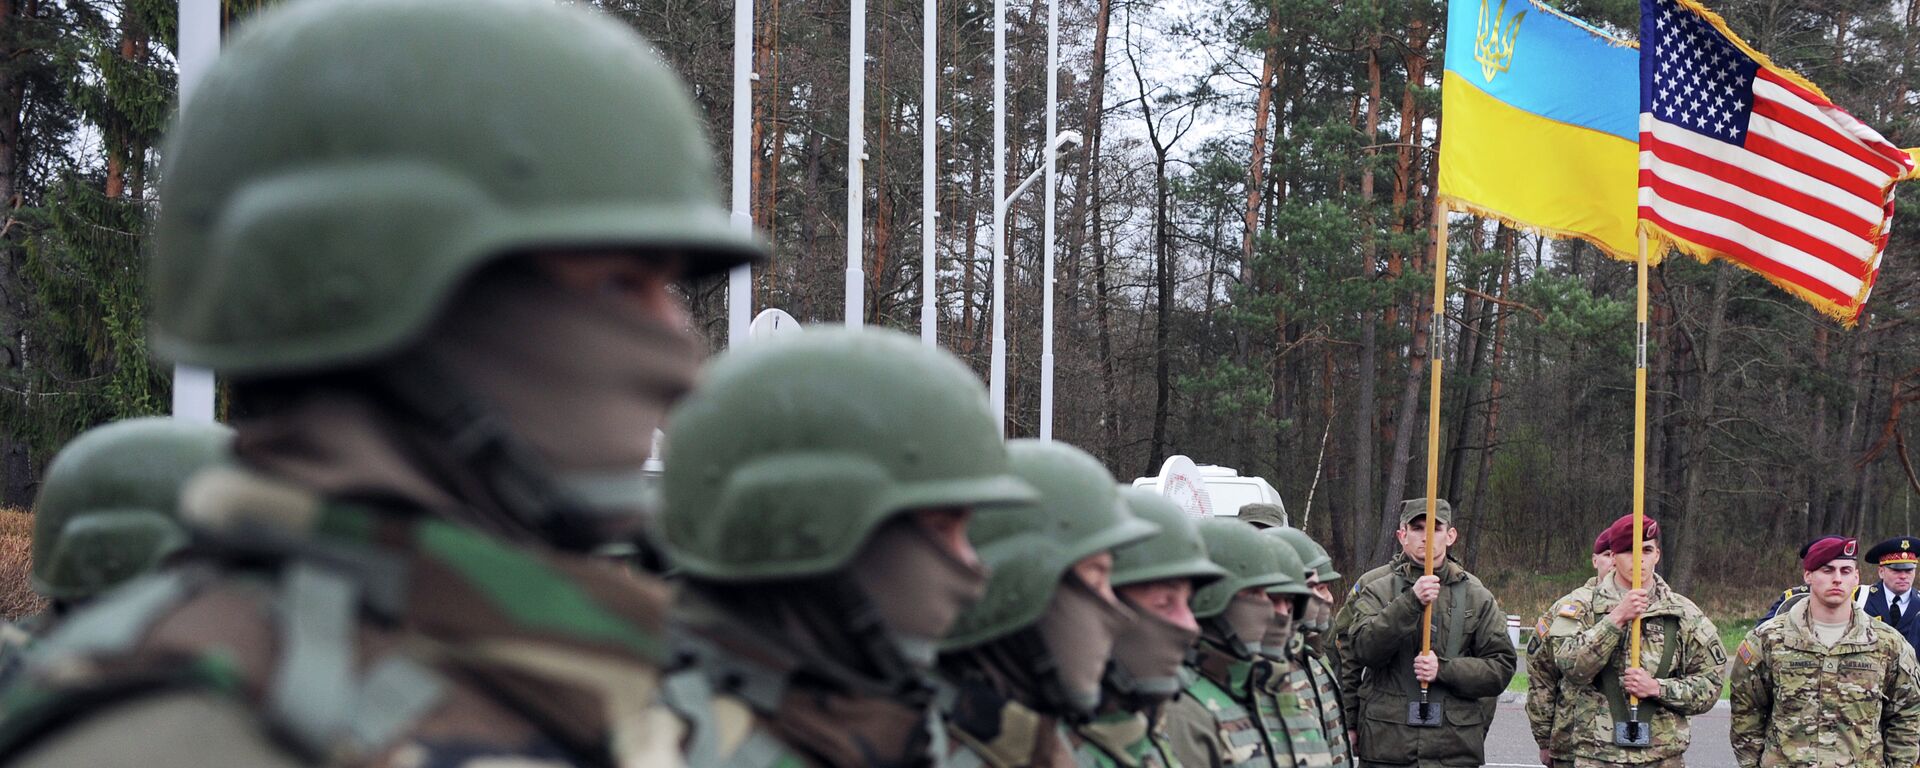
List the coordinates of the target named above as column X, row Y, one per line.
column 1433, row 404
column 1639, row 447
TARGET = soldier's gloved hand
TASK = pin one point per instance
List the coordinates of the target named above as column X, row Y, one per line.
column 1426, row 588
column 1426, row 667
column 1640, row 684
column 1630, row 608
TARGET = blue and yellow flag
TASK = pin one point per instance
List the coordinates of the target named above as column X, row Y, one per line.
column 1540, row 122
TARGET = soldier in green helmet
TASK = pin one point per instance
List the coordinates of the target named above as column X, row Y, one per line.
column 1383, row 671
column 431, row 246
column 1308, row 693
column 817, row 506
column 1155, row 578
column 1294, row 728
column 107, row 513
column 1027, row 661
column 1215, row 721
column 107, row 509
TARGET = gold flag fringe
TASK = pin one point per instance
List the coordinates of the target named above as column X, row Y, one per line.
column 1466, row 206
column 1659, row 240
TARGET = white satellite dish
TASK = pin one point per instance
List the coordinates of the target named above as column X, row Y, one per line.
column 771, row 323
column 1181, row 483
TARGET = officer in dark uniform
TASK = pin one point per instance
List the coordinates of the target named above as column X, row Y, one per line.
column 1892, row 600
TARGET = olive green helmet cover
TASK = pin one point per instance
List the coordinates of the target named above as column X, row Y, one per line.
column 1312, row 555
column 1028, row 548
column 1175, row 552
column 345, row 165
column 1250, row 561
column 791, row 453
column 1283, row 553
column 107, row 509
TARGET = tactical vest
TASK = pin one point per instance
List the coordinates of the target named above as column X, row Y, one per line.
column 1120, row 740
column 1243, row 742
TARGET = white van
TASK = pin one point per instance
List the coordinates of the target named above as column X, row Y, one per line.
column 1226, row 488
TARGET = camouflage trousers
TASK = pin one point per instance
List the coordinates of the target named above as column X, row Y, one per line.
column 1676, row 761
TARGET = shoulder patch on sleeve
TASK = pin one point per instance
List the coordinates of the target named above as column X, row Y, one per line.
column 1745, row 652
column 1540, row 628
column 1570, row 608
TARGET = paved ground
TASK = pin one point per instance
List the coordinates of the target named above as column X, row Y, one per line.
column 1510, row 744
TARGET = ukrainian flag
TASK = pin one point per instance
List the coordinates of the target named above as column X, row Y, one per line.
column 1540, row 123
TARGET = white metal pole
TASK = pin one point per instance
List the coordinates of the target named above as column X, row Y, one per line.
column 1053, row 157
column 856, row 164
column 929, row 331
column 193, row 387
column 997, row 367
column 740, row 279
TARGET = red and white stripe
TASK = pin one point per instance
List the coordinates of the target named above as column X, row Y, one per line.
column 1806, row 200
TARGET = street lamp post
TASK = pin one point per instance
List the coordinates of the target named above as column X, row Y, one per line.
column 997, row 370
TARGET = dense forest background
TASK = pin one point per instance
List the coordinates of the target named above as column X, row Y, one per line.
column 1244, row 260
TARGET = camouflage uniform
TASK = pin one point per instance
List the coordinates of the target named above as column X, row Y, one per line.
column 1122, row 740
column 1213, row 723
column 1551, row 732
column 1309, row 702
column 1378, row 636
column 1798, row 702
column 1679, row 646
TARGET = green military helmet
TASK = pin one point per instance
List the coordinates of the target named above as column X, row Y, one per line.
column 1028, row 548
column 344, row 165
column 1249, row 560
column 106, row 511
column 1313, row 555
column 1290, row 565
column 1175, row 552
column 789, row 455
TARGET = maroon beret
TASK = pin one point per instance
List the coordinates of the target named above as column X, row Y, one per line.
column 1619, row 536
column 1828, row 550
column 1602, row 544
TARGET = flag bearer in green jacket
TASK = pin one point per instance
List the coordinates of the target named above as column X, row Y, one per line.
column 1382, row 669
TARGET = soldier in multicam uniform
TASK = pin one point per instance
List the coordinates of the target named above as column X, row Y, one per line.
column 1824, row 685
column 1680, row 654
column 1214, row 722
column 1299, row 737
column 1310, row 679
column 1553, row 734
column 1381, row 668
column 822, row 540
column 1155, row 578
column 1029, row 658
column 431, row 245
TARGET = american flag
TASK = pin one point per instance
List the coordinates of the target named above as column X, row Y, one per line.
column 1745, row 161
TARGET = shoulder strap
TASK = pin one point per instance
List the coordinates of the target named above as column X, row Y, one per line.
column 315, row 694
column 1671, row 626
column 116, row 621
column 690, row 695
column 1457, row 617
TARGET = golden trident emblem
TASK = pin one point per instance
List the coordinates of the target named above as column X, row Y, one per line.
column 1494, row 48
